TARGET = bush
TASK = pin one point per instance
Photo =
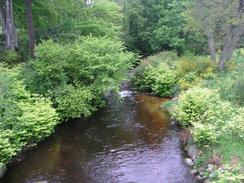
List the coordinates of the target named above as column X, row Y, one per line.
column 204, row 135
column 189, row 80
column 24, row 118
column 168, row 57
column 10, row 57
column 7, row 148
column 73, row 102
column 235, row 126
column 144, row 78
column 160, row 80
column 194, row 64
column 37, row 121
column 238, row 89
column 164, row 81
column 193, row 104
column 77, row 74
column 230, row 86
column 228, row 174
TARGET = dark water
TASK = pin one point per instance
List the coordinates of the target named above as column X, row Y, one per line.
column 128, row 142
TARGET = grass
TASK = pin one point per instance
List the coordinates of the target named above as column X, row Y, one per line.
column 230, row 149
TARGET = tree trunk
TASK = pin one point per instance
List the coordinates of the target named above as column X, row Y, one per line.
column 232, row 37
column 200, row 7
column 9, row 29
column 211, row 46
column 30, row 27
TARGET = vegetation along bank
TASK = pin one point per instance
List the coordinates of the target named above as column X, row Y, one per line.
column 59, row 57
column 207, row 104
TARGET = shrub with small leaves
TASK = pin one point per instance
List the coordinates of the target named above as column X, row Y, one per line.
column 235, row 126
column 24, row 118
column 228, row 174
column 204, row 135
column 74, row 101
column 193, row 104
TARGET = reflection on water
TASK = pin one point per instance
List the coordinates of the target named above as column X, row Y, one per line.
column 129, row 141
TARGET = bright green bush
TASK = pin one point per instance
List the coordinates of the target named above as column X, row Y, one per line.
column 204, row 135
column 144, row 78
column 73, row 102
column 204, row 106
column 24, row 118
column 194, row 103
column 37, row 121
column 159, row 80
column 76, row 75
column 165, row 81
column 7, row 148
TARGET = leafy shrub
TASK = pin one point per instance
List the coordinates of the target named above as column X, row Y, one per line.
column 72, row 102
column 194, row 64
column 10, row 56
column 37, row 121
column 159, row 80
column 189, row 80
column 76, row 74
column 204, row 135
column 230, row 86
column 235, row 126
column 165, row 81
column 168, row 57
column 239, row 88
column 204, row 106
column 193, row 104
column 24, row 118
column 228, row 174
column 7, row 148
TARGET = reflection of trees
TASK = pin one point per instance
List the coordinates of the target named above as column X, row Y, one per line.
column 153, row 117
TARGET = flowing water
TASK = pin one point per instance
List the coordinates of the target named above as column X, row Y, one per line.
column 130, row 141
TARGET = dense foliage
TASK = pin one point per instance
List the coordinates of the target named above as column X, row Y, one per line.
column 24, row 118
column 154, row 25
column 72, row 52
column 76, row 75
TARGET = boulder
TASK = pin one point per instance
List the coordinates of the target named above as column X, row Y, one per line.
column 192, row 151
column 189, row 162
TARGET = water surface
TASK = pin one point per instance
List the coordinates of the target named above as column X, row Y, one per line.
column 128, row 142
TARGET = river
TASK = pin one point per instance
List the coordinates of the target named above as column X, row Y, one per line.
column 130, row 141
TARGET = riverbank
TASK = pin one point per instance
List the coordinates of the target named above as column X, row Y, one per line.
column 208, row 108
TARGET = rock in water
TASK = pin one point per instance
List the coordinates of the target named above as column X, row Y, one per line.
column 189, row 162
column 124, row 94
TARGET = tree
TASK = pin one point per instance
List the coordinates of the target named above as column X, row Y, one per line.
column 219, row 19
column 154, row 25
column 234, row 31
column 9, row 29
column 30, row 27
column 207, row 27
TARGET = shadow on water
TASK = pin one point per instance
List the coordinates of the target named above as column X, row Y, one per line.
column 129, row 141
